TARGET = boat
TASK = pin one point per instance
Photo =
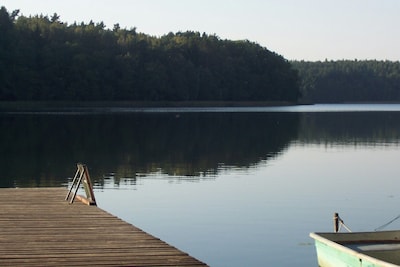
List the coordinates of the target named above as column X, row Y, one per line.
column 357, row 249
column 361, row 249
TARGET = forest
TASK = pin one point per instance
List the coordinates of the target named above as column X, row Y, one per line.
column 45, row 59
column 349, row 81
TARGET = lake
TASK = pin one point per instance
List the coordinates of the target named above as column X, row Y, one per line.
column 230, row 186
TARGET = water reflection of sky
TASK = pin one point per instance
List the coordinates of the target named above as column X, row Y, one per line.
column 249, row 217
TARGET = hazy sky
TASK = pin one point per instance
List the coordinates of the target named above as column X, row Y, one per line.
column 296, row 29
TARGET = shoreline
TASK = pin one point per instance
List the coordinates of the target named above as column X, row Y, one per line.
column 40, row 105
column 49, row 106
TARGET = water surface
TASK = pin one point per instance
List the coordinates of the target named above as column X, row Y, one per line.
column 230, row 186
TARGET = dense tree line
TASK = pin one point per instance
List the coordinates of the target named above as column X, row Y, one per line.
column 349, row 81
column 42, row 58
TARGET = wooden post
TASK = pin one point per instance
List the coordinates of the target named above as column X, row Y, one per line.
column 87, row 184
column 336, row 222
column 77, row 182
column 73, row 182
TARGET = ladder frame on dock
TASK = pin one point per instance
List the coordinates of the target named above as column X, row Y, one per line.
column 81, row 176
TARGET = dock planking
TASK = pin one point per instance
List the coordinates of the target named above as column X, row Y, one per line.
column 39, row 228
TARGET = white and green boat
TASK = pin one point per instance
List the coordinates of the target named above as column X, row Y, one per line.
column 361, row 249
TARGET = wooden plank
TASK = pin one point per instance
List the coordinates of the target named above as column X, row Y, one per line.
column 38, row 227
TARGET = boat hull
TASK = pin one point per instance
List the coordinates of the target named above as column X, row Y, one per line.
column 364, row 249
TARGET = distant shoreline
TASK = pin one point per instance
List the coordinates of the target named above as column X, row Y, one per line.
column 6, row 106
column 35, row 105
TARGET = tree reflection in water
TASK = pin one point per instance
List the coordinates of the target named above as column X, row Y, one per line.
column 42, row 149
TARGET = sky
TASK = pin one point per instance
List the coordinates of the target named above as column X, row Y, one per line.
column 296, row 29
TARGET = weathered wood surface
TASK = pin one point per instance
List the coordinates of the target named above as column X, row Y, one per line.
column 39, row 228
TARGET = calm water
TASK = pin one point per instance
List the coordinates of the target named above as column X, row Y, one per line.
column 230, row 186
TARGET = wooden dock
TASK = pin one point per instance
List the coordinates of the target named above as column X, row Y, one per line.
column 39, row 228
